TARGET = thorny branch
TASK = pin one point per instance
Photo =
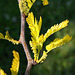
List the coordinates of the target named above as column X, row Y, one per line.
column 23, row 42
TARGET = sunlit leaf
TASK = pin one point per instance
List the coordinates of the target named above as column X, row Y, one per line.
column 45, row 2
column 25, row 5
column 55, row 28
column 15, row 63
column 35, row 27
column 37, row 40
column 1, row 36
column 7, row 37
column 43, row 57
column 2, row 72
column 33, row 44
column 58, row 42
column 40, row 24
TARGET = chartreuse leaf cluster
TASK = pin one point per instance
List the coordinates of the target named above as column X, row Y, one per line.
column 15, row 65
column 35, row 27
column 9, row 38
column 37, row 40
column 25, row 5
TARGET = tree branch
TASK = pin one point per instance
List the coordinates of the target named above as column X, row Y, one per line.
column 23, row 42
column 22, row 37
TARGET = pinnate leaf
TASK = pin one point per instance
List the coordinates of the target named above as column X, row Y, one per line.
column 15, row 63
column 58, row 42
column 2, row 72
column 1, row 36
column 25, row 5
column 37, row 40
column 43, row 57
column 55, row 28
column 35, row 27
column 9, row 38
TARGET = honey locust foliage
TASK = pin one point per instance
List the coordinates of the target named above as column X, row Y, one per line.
column 58, row 42
column 25, row 5
column 9, row 38
column 2, row 72
column 45, row 2
column 37, row 40
column 15, row 64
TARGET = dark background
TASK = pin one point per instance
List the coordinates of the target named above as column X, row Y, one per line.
column 60, row 61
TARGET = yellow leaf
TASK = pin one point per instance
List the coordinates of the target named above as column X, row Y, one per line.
column 43, row 57
column 33, row 1
column 35, row 27
column 15, row 63
column 55, row 28
column 1, row 36
column 45, row 2
column 32, row 25
column 25, row 5
column 33, row 44
column 40, row 39
column 7, row 37
column 2, row 72
column 58, row 42
column 37, row 40
column 40, row 24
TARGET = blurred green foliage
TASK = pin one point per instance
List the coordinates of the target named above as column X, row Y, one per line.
column 60, row 60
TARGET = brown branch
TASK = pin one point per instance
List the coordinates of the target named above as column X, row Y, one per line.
column 22, row 37
column 23, row 42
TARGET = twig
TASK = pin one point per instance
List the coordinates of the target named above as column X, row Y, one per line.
column 23, row 42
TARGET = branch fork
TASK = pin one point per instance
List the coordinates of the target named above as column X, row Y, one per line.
column 31, row 62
